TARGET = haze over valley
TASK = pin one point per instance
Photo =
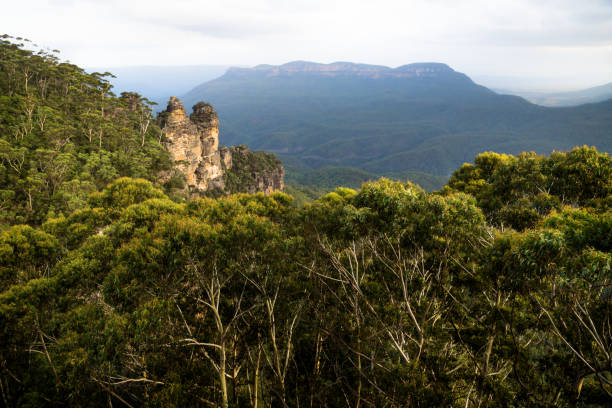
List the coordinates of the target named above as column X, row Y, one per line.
column 419, row 120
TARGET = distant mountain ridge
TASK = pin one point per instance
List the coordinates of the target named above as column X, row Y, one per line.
column 416, row 70
column 573, row 98
column 423, row 117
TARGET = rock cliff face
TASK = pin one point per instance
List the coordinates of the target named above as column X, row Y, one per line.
column 193, row 144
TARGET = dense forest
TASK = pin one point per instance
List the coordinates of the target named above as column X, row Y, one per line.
column 64, row 134
column 495, row 290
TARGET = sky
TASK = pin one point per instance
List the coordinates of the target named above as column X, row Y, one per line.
column 560, row 44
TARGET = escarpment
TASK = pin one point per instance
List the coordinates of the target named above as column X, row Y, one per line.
column 193, row 144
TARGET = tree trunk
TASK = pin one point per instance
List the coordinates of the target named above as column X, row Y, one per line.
column 222, row 379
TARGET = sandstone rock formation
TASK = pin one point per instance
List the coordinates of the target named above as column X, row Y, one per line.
column 193, row 144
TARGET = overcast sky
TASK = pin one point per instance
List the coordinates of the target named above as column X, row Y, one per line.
column 564, row 42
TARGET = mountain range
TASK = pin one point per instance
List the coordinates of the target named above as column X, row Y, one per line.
column 572, row 98
column 424, row 117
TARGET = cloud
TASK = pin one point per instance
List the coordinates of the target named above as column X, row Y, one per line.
column 540, row 24
column 499, row 36
column 227, row 19
column 215, row 27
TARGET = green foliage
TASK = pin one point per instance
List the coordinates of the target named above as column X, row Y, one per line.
column 518, row 191
column 308, row 185
column 25, row 254
column 63, row 135
column 247, row 169
column 387, row 295
column 125, row 192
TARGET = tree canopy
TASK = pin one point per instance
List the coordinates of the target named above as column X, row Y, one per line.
column 64, row 134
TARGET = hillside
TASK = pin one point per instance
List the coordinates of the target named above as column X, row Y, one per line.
column 65, row 135
column 420, row 117
column 574, row 98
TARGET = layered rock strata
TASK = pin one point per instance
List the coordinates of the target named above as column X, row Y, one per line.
column 193, row 144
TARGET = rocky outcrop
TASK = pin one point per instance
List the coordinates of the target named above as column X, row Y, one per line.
column 193, row 144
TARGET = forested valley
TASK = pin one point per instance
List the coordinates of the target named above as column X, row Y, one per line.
column 117, row 290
